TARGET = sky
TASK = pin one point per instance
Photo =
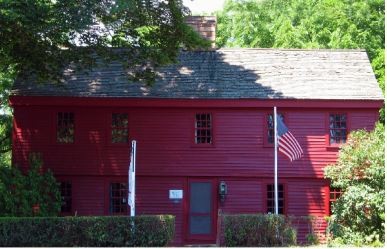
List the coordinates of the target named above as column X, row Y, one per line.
column 200, row 6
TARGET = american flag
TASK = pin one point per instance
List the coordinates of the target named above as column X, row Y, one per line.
column 287, row 143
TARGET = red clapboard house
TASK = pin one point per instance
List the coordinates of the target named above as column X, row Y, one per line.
column 206, row 122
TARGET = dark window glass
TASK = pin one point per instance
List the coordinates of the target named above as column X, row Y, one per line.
column 200, row 200
column 65, row 127
column 200, row 208
column 337, row 128
column 118, row 198
column 271, row 199
column 203, row 128
column 200, row 225
column 270, row 127
column 334, row 194
column 120, row 128
column 66, row 194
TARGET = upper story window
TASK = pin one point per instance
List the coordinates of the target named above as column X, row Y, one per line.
column 65, row 127
column 270, row 127
column 337, row 128
column 66, row 194
column 203, row 128
column 119, row 127
column 118, row 198
column 271, row 199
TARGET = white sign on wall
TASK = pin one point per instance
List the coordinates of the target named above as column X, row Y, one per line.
column 175, row 194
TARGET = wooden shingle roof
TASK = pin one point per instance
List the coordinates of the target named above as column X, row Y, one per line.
column 230, row 74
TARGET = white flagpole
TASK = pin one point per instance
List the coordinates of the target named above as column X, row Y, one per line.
column 275, row 162
column 132, row 180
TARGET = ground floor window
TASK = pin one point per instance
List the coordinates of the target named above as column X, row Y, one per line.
column 271, row 200
column 334, row 194
column 118, row 198
column 66, row 194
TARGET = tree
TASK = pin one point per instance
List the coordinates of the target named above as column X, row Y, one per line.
column 40, row 37
column 5, row 138
column 35, row 193
column 358, row 215
column 5, row 118
column 306, row 24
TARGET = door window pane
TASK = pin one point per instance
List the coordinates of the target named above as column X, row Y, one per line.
column 200, row 201
column 200, row 224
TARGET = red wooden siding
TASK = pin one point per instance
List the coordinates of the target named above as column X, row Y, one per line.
column 303, row 197
column 308, row 197
column 191, row 103
column 167, row 156
column 152, row 197
column 164, row 142
column 89, row 195
column 363, row 120
column 244, row 196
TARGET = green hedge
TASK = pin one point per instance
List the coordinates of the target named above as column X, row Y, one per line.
column 258, row 230
column 106, row 231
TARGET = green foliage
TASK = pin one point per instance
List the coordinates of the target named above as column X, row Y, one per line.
column 258, row 230
column 5, row 139
column 40, row 37
column 358, row 215
column 378, row 65
column 117, row 231
column 306, row 24
column 312, row 239
column 314, row 227
column 6, row 80
column 33, row 194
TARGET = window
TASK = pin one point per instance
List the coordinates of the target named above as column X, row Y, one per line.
column 271, row 199
column 203, row 129
column 334, row 194
column 270, row 127
column 66, row 194
column 65, row 127
column 337, row 128
column 118, row 198
column 120, row 128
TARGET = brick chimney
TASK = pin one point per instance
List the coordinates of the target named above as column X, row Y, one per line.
column 205, row 26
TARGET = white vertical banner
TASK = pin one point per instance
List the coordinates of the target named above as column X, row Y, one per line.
column 132, row 180
column 275, row 161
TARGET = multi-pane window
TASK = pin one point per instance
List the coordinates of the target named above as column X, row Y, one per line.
column 203, row 128
column 334, row 194
column 118, row 198
column 120, row 128
column 337, row 128
column 65, row 127
column 66, row 194
column 270, row 127
column 271, row 199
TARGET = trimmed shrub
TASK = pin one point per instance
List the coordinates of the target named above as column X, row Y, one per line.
column 258, row 230
column 104, row 231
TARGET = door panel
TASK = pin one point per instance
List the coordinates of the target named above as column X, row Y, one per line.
column 200, row 225
column 200, row 198
column 201, row 209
